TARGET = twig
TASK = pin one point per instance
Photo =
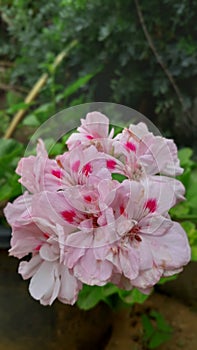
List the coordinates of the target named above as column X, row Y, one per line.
column 36, row 89
column 160, row 60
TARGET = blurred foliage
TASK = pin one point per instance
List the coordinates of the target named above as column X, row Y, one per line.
column 186, row 212
column 110, row 36
column 110, row 294
column 10, row 153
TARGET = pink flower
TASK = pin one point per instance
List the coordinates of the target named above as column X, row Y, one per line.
column 80, row 225
column 19, row 212
column 146, row 244
column 136, row 152
column 140, row 149
column 117, row 233
column 94, row 129
column 160, row 244
column 39, row 173
column 81, row 166
column 50, row 280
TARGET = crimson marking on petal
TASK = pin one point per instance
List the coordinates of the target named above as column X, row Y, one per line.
column 88, row 198
column 94, row 222
column 89, row 137
column 151, row 204
column 38, row 247
column 87, row 169
column 135, row 229
column 68, row 215
column 75, row 166
column 57, row 173
column 121, row 209
column 111, row 164
column 46, row 235
column 138, row 238
column 130, row 146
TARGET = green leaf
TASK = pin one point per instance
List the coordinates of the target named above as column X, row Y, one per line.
column 5, row 192
column 31, row 120
column 119, row 177
column 104, row 32
column 89, row 296
column 158, row 338
column 54, row 148
column 78, row 100
column 147, row 327
column 191, row 231
column 162, row 324
column 17, row 107
column 191, row 194
column 44, row 112
column 185, row 155
column 156, row 329
column 194, row 253
column 75, row 86
column 9, row 150
column 58, row 148
column 167, row 279
column 133, row 296
column 110, row 289
column 190, row 228
column 50, row 144
column 45, row 107
column 117, row 129
column 11, row 188
column 185, row 177
column 180, row 210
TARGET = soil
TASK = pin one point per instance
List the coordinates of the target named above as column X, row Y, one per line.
column 25, row 324
column 128, row 332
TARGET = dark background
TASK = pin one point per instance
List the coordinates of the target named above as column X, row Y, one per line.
column 112, row 46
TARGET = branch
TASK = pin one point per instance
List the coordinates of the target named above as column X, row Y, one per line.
column 35, row 91
column 160, row 61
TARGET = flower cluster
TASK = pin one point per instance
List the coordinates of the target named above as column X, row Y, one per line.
column 98, row 213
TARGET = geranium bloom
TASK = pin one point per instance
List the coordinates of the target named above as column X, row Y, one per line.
column 50, row 278
column 136, row 147
column 156, row 154
column 125, row 233
column 98, row 213
column 94, row 128
column 81, row 166
column 39, row 172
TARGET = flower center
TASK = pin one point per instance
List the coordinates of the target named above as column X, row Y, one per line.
column 133, row 233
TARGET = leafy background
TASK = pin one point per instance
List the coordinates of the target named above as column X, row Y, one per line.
column 111, row 42
column 111, row 61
